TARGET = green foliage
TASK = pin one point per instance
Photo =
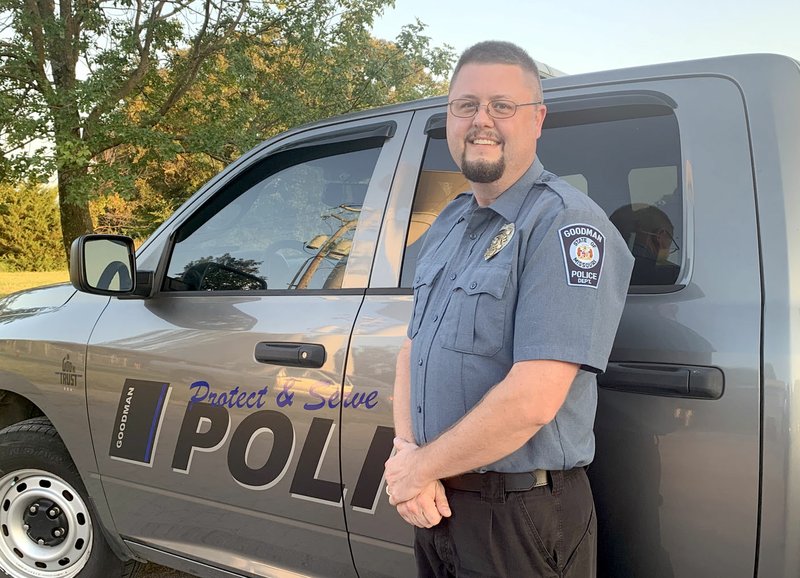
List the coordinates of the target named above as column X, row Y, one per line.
column 260, row 87
column 30, row 234
column 173, row 91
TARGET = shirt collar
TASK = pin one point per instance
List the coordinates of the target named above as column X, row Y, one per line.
column 510, row 202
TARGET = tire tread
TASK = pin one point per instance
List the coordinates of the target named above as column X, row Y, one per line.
column 38, row 424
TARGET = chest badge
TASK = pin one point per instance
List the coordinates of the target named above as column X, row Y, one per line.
column 500, row 240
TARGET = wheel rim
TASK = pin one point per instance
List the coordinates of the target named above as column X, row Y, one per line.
column 45, row 526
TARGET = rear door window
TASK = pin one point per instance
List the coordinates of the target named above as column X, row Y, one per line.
column 626, row 157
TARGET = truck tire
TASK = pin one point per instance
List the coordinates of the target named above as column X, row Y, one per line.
column 48, row 526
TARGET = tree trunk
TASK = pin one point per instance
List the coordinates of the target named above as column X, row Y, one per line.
column 75, row 217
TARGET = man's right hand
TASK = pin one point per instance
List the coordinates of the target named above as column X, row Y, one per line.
column 428, row 508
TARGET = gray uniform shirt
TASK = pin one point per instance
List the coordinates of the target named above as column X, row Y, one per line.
column 541, row 273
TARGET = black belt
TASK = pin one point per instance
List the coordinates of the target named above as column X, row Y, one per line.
column 516, row 482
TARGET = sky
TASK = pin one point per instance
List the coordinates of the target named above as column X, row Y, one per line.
column 577, row 36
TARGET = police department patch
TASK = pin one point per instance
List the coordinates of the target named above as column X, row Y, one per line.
column 583, row 247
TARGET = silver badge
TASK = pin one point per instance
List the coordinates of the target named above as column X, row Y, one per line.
column 500, row 240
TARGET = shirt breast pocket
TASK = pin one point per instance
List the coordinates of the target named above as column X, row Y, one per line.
column 477, row 324
column 424, row 279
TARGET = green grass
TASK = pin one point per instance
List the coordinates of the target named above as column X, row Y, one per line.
column 11, row 282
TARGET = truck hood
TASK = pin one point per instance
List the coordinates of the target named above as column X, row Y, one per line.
column 32, row 301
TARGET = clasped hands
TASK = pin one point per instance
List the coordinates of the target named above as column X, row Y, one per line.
column 419, row 501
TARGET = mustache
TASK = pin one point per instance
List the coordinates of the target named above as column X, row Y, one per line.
column 478, row 133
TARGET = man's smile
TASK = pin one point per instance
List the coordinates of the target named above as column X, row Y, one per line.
column 483, row 139
column 480, row 141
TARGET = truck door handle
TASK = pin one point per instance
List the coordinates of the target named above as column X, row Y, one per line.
column 292, row 354
column 692, row 381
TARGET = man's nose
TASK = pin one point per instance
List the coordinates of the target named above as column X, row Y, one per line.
column 482, row 117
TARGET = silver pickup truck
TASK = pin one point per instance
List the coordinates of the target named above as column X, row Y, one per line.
column 221, row 402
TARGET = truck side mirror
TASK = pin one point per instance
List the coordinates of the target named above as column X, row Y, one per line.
column 103, row 264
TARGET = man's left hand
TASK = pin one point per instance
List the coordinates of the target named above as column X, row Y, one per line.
column 403, row 477
column 428, row 508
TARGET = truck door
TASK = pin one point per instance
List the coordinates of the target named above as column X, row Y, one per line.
column 215, row 405
column 676, row 469
column 676, row 473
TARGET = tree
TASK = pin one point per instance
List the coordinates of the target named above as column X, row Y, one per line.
column 30, row 236
column 86, row 77
column 256, row 88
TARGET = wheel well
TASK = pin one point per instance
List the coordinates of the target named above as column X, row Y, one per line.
column 14, row 408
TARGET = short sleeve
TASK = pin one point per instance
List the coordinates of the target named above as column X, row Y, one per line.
column 571, row 290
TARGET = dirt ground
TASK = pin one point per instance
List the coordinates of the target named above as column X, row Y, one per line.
column 156, row 571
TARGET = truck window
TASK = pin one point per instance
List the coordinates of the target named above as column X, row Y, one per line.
column 286, row 223
column 626, row 159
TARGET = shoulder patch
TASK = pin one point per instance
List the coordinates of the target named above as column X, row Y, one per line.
column 583, row 247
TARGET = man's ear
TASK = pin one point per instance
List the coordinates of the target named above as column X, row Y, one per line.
column 538, row 119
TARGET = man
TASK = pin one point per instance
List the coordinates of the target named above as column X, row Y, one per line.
column 650, row 233
column 518, row 293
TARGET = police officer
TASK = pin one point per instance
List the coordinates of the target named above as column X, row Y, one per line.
column 518, row 292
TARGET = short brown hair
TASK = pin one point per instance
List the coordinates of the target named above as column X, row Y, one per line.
column 498, row 52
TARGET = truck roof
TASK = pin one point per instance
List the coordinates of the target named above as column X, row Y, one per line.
column 554, row 79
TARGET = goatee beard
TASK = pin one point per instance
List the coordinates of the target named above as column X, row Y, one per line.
column 482, row 171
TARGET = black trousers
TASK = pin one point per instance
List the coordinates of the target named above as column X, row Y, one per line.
column 549, row 531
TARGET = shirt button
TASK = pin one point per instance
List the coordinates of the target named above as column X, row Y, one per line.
column 453, row 277
column 419, row 409
column 473, row 285
column 420, row 361
column 473, row 236
column 436, row 318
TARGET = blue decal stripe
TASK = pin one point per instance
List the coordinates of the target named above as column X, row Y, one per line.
column 156, row 417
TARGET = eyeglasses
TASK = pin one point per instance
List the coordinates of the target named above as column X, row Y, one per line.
column 466, row 108
column 673, row 244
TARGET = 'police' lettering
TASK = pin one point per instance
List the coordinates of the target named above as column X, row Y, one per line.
column 207, row 426
column 279, row 456
column 367, row 492
column 583, row 277
column 190, row 438
column 305, row 484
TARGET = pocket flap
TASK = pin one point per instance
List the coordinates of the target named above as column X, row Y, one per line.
column 487, row 279
column 426, row 273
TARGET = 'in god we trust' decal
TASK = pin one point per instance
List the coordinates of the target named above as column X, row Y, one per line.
column 583, row 247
